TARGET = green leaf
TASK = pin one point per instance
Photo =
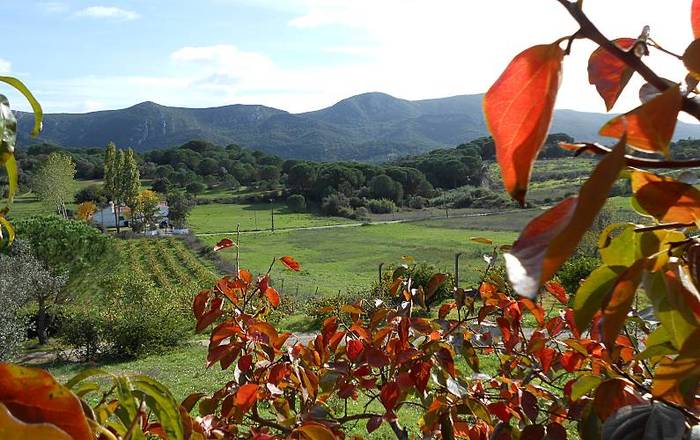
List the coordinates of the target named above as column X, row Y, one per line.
column 589, row 297
column 480, row 411
column 11, row 167
column 620, row 250
column 620, row 301
column 658, row 336
column 90, row 372
column 163, row 404
column 584, row 385
column 5, row 223
column 36, row 107
column 656, row 350
column 675, row 316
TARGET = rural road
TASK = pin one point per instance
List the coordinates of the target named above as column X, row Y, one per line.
column 354, row 225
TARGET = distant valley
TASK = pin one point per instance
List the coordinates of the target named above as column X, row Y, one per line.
column 366, row 127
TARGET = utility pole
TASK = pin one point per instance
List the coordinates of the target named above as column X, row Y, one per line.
column 272, row 214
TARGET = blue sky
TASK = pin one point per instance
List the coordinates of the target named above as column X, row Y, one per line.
column 299, row 55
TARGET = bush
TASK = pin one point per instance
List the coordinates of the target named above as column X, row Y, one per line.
column 361, row 214
column 335, row 205
column 16, row 271
column 575, row 270
column 417, row 202
column 296, row 203
column 382, row 206
column 135, row 319
column 91, row 193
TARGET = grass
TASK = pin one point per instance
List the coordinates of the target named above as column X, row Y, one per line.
column 183, row 372
column 336, row 259
column 218, row 218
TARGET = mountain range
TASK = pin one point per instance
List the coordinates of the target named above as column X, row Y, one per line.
column 366, row 127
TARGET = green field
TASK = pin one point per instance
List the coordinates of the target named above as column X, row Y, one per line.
column 217, row 218
column 339, row 259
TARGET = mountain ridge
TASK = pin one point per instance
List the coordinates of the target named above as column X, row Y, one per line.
column 371, row 126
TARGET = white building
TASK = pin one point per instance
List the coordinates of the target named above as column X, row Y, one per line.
column 105, row 217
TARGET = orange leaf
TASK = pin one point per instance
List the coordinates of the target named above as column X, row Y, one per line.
column 612, row 395
column 518, row 110
column 246, row 396
column 677, row 379
column 536, row 310
column 223, row 244
column 557, row 291
column 32, row 395
column 691, row 59
column 695, row 18
column 549, row 239
column 608, row 73
column 315, row 431
column 291, row 263
column 649, row 127
column 665, row 198
column 12, row 428
column 272, row 296
column 621, row 297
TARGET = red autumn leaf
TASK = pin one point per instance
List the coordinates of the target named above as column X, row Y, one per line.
column 650, row 126
column 665, row 198
column 315, row 431
column 291, row 263
column 420, row 373
column 571, row 322
column 246, row 396
column 389, row 395
column 608, row 73
column 13, row 428
column 547, row 356
column 200, row 303
column 518, row 110
column 446, row 361
column 223, row 244
column 32, row 395
column 557, row 291
column 500, row 410
column 695, row 18
column 554, row 326
column 571, row 360
column 434, row 283
column 550, row 238
column 621, row 298
column 245, row 362
column 272, row 296
column 612, row 395
column 677, row 379
column 212, row 315
column 355, row 348
column 445, row 309
column 373, row 423
column 534, row 308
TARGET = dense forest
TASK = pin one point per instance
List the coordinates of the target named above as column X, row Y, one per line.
column 454, row 177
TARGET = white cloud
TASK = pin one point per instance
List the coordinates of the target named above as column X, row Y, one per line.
column 5, row 66
column 110, row 12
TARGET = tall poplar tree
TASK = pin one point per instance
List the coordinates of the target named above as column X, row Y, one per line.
column 129, row 180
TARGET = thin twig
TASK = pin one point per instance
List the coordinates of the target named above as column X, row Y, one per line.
column 590, row 31
column 638, row 162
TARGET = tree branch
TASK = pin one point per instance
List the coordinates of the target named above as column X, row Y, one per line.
column 638, row 162
column 590, row 31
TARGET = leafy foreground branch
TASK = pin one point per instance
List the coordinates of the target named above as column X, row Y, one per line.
column 593, row 364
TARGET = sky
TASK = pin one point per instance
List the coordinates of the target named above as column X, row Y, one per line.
column 302, row 55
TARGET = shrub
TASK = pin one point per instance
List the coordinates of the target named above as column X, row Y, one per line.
column 334, row 204
column 16, row 270
column 296, row 203
column 382, row 206
column 417, row 202
column 361, row 213
column 91, row 193
column 575, row 270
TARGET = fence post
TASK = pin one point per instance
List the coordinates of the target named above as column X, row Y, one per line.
column 457, row 255
column 380, row 286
